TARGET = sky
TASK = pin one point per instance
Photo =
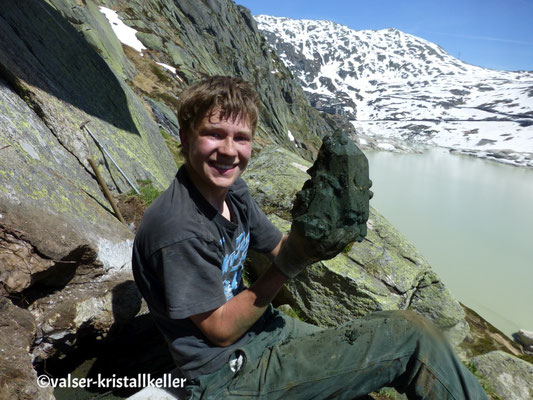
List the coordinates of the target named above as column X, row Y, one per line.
column 496, row 34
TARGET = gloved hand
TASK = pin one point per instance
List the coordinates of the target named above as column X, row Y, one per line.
column 296, row 254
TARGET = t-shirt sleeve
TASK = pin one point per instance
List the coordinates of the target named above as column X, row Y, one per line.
column 191, row 277
column 264, row 236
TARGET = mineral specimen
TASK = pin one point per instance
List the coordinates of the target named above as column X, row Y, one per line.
column 332, row 208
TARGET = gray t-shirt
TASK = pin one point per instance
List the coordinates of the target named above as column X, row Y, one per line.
column 188, row 259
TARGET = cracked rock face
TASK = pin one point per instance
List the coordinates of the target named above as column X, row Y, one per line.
column 333, row 206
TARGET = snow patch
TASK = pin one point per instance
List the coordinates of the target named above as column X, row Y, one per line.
column 386, row 146
column 170, row 68
column 124, row 33
column 291, row 138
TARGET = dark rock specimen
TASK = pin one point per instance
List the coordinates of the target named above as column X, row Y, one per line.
column 333, row 206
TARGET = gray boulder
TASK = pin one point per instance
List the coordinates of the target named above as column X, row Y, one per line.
column 510, row 377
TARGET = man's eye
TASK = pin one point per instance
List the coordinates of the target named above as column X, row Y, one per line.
column 242, row 138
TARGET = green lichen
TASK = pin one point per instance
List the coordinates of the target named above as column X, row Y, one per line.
column 39, row 193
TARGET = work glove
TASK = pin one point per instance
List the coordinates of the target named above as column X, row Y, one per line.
column 296, row 253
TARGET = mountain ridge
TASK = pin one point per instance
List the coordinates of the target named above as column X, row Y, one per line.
column 395, row 86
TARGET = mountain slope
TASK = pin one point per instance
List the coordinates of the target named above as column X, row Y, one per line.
column 395, row 85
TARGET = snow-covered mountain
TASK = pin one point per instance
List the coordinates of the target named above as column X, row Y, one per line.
column 397, row 86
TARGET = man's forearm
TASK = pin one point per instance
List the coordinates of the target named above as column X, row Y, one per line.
column 248, row 306
column 229, row 322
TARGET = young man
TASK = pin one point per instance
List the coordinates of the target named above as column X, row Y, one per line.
column 226, row 339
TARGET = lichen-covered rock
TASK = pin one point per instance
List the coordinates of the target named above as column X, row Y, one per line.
column 509, row 376
column 66, row 82
column 18, row 379
column 383, row 272
column 332, row 208
column 50, row 207
column 52, row 80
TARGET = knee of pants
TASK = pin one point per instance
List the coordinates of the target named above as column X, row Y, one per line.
column 422, row 325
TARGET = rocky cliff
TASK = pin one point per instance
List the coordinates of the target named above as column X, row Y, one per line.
column 65, row 79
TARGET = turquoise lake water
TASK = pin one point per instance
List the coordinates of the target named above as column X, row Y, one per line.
column 472, row 220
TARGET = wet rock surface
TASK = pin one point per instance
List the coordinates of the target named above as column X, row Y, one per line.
column 332, row 208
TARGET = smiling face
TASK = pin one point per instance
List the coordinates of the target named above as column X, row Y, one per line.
column 217, row 153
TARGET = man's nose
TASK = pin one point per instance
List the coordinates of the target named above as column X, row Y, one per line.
column 228, row 147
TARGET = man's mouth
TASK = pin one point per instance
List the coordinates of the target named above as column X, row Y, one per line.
column 222, row 166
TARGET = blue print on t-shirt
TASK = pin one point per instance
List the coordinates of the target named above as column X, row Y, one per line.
column 232, row 266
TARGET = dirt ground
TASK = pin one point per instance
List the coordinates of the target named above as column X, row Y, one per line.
column 132, row 210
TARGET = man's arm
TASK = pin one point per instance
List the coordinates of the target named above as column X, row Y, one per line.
column 224, row 325
column 276, row 249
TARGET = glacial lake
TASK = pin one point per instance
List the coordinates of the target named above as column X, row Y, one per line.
column 472, row 219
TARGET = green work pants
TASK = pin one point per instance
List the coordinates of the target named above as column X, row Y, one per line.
column 294, row 360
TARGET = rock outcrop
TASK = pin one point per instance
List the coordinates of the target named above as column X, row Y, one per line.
column 507, row 375
column 18, row 380
column 198, row 39
column 51, row 81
